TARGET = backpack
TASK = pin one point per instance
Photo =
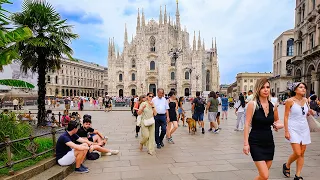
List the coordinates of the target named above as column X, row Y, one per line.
column 200, row 105
column 93, row 155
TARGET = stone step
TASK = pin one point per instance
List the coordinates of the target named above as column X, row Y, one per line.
column 54, row 173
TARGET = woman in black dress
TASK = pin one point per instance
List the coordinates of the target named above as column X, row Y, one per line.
column 173, row 105
column 261, row 115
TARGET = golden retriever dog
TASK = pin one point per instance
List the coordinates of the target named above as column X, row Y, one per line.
column 192, row 125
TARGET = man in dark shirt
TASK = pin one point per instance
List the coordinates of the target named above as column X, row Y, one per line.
column 132, row 104
column 198, row 107
column 93, row 135
column 67, row 152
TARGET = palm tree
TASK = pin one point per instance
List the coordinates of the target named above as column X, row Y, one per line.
column 50, row 42
column 8, row 37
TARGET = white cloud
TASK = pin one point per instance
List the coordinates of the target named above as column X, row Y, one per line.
column 242, row 27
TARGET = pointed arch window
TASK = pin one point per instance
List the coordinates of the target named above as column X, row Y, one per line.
column 133, row 63
column 120, row 77
column 172, row 75
column 133, row 77
column 208, row 80
column 152, row 44
column 152, row 65
column 186, row 75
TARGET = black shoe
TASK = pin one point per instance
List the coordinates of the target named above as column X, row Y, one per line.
column 297, row 178
column 158, row 146
column 210, row 129
column 84, row 167
column 161, row 144
column 202, row 130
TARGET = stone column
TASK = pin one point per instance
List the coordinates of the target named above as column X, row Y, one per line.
column 308, row 82
column 317, row 84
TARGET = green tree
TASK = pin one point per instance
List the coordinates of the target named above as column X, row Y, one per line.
column 50, row 42
column 9, row 37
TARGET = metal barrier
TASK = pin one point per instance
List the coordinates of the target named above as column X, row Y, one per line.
column 32, row 148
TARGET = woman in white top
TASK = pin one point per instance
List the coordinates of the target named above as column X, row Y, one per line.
column 240, row 105
column 296, row 127
column 274, row 99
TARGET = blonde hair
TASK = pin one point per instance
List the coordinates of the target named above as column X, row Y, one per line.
column 258, row 86
column 141, row 98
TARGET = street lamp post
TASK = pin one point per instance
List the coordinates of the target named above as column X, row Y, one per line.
column 174, row 53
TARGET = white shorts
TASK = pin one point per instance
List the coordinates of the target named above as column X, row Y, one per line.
column 67, row 159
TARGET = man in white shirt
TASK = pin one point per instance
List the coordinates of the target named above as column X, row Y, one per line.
column 162, row 117
column 219, row 107
column 249, row 97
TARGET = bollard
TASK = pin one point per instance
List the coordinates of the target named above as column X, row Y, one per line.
column 53, row 131
column 8, row 148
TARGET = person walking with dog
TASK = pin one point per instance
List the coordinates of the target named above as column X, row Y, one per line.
column 297, row 129
column 261, row 115
column 212, row 106
column 161, row 105
column 172, row 123
column 198, row 107
column 147, row 111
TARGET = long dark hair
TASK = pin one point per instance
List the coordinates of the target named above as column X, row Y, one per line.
column 242, row 102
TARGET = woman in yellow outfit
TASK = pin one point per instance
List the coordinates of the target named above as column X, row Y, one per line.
column 147, row 111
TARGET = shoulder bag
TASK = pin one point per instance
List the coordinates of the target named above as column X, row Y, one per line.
column 148, row 122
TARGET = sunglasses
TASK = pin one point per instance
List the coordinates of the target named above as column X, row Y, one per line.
column 151, row 96
column 303, row 113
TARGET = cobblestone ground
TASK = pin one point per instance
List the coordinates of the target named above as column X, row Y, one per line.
column 208, row 156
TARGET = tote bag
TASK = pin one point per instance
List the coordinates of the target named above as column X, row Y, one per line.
column 148, row 122
column 314, row 125
column 139, row 120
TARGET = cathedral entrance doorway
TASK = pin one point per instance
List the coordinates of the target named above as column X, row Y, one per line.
column 120, row 92
column 133, row 92
column 153, row 89
column 186, row 92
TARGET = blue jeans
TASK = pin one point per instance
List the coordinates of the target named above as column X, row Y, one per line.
column 160, row 121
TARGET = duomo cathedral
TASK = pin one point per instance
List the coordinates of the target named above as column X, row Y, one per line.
column 160, row 56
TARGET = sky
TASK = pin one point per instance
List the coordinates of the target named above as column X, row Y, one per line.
column 244, row 29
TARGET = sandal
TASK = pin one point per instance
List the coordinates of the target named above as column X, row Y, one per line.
column 286, row 171
column 297, row 178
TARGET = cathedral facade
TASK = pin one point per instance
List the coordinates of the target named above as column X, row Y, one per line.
column 160, row 56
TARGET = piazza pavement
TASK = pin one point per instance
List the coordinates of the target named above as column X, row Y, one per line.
column 192, row 157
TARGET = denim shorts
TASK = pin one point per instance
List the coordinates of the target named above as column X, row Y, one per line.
column 224, row 108
column 198, row 116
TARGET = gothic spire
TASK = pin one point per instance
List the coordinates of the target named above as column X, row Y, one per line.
column 178, row 16
column 125, row 34
column 165, row 14
column 194, row 40
column 212, row 44
column 169, row 19
column 138, row 20
column 215, row 45
column 113, row 46
column 199, row 42
column 132, row 39
column 203, row 45
column 143, row 19
column 160, row 16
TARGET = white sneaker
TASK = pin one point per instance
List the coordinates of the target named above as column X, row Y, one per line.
column 114, row 152
column 106, row 154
